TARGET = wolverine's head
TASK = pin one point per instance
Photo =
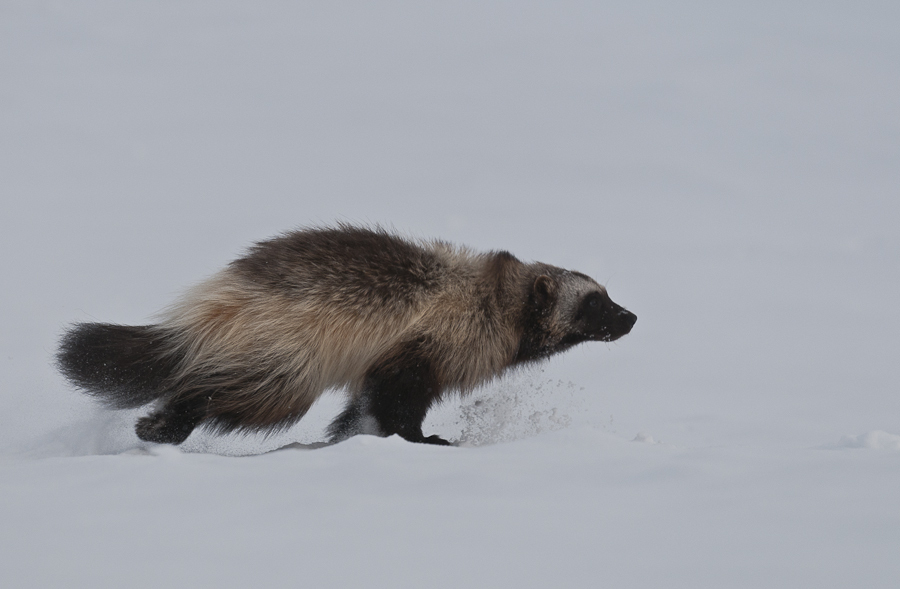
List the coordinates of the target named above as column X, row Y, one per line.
column 566, row 308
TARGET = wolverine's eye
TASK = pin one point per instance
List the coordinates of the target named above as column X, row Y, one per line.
column 589, row 306
column 593, row 300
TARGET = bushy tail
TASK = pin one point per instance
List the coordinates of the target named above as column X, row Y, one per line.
column 123, row 366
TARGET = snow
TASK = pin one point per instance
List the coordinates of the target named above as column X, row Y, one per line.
column 876, row 440
column 729, row 172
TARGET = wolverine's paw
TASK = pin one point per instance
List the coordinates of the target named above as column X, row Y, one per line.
column 436, row 440
column 159, row 428
column 419, row 438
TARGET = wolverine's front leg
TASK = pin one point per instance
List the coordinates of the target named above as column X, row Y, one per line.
column 399, row 391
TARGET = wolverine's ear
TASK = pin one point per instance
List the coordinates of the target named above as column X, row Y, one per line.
column 544, row 291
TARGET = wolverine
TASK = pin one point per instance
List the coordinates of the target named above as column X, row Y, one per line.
column 395, row 323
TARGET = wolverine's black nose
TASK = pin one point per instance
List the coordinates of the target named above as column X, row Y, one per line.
column 627, row 319
column 619, row 324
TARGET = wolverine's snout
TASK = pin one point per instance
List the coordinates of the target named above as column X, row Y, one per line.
column 628, row 319
column 620, row 325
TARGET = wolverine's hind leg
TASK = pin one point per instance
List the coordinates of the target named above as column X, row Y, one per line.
column 173, row 422
column 396, row 397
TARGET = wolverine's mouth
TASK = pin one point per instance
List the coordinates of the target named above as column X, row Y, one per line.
column 606, row 336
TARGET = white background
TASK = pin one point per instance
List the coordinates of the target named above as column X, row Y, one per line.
column 731, row 173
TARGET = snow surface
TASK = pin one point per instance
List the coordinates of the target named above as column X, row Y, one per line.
column 731, row 172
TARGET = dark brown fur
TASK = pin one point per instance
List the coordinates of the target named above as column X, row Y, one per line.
column 395, row 323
